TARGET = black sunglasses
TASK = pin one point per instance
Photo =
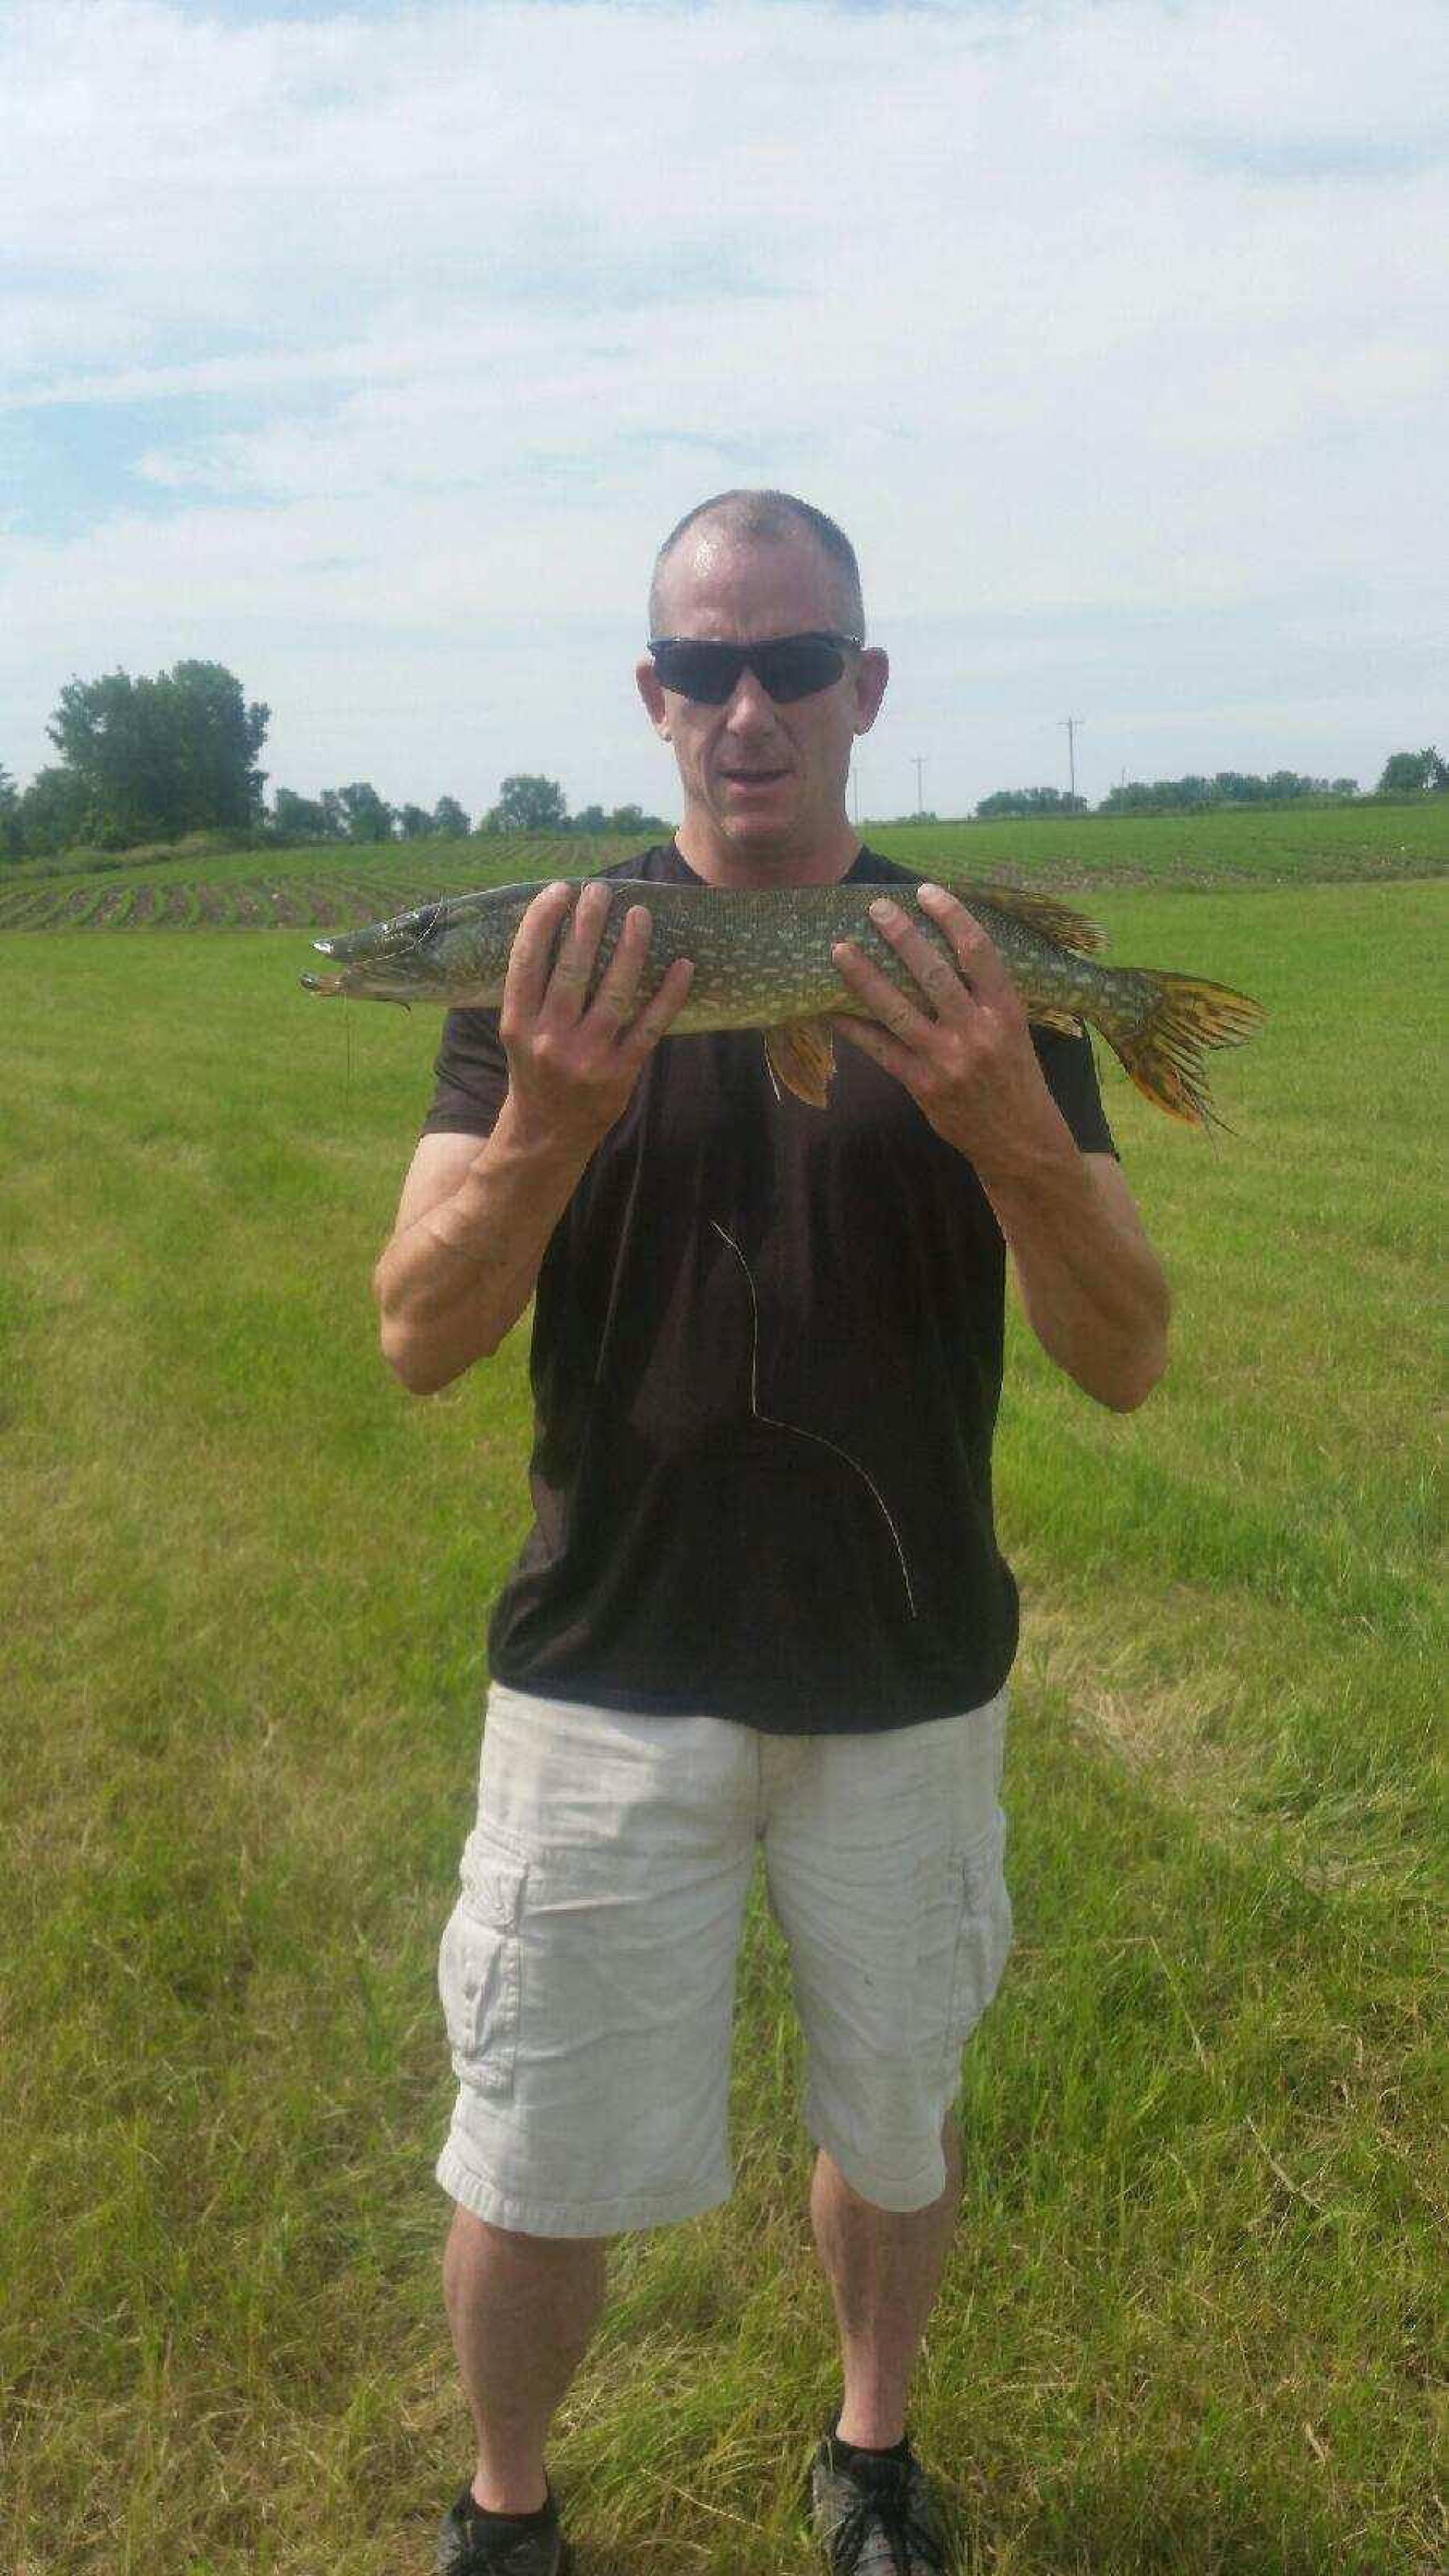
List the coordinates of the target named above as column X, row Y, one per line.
column 787, row 666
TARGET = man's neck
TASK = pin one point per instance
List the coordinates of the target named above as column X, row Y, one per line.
column 722, row 863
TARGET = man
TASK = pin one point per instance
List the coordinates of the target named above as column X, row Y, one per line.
column 762, row 1600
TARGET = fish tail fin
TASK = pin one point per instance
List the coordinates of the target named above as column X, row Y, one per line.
column 1160, row 1044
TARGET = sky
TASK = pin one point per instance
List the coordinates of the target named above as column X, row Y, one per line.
column 372, row 351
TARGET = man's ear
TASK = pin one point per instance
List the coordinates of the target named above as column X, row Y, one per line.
column 655, row 706
column 871, row 674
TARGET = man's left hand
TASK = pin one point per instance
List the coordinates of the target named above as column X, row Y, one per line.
column 972, row 1069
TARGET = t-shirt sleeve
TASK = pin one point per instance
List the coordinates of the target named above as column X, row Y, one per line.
column 470, row 1077
column 1071, row 1078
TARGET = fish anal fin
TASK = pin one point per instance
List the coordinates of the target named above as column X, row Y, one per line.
column 802, row 1057
column 1038, row 911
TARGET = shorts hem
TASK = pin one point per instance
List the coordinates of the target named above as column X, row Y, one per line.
column 574, row 2217
column 882, row 2191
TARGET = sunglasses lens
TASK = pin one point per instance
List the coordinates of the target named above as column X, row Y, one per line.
column 797, row 667
column 793, row 666
column 707, row 673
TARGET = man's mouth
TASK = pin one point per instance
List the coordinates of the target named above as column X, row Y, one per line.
column 752, row 777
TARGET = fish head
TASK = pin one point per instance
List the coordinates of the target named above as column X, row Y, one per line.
column 449, row 952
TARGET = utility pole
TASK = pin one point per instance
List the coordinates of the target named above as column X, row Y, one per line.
column 920, row 759
column 1069, row 727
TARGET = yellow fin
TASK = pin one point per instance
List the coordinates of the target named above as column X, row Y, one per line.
column 1162, row 1052
column 1039, row 912
column 801, row 1054
column 1065, row 1021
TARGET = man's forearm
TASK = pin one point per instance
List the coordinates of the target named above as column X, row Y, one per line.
column 1093, row 1288
column 452, row 1283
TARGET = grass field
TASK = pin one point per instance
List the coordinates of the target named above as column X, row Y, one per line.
column 1189, row 2321
column 255, row 889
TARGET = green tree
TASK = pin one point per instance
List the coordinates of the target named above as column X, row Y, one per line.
column 527, row 803
column 53, row 813
column 366, row 816
column 1014, row 801
column 1414, row 773
column 298, row 818
column 450, row 822
column 11, row 839
column 159, row 757
column 415, row 822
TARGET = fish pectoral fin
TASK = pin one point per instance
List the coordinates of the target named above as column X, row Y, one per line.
column 1066, row 1021
column 802, row 1056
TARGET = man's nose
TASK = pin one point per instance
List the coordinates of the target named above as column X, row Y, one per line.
column 750, row 702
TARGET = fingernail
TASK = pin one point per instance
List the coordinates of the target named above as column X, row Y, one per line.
column 883, row 909
column 927, row 887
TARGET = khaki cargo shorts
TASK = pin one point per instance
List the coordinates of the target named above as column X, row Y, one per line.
column 587, row 1972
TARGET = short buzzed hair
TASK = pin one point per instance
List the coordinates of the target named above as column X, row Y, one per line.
column 772, row 515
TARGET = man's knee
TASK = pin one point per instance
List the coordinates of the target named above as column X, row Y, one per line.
column 469, row 2230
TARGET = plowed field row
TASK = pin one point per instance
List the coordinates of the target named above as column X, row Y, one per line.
column 292, row 904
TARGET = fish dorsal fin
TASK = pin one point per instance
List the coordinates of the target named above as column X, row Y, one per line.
column 1039, row 912
column 801, row 1054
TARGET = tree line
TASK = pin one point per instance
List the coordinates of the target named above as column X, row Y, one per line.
column 148, row 760
column 1405, row 774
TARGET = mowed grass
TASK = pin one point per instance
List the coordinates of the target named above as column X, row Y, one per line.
column 1189, row 2319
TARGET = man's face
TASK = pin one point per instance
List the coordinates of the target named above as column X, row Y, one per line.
column 761, row 781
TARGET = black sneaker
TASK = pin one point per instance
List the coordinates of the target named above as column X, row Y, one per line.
column 474, row 2544
column 876, row 2515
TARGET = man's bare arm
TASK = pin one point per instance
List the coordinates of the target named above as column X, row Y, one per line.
column 1093, row 1288
column 475, row 1218
column 472, row 1228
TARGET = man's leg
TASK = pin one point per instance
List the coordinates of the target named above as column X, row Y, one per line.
column 884, row 2268
column 522, row 2310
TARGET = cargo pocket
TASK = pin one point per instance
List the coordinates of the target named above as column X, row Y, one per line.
column 479, row 1969
column 983, row 1934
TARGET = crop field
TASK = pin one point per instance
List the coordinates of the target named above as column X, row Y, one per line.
column 1192, row 2320
column 335, row 887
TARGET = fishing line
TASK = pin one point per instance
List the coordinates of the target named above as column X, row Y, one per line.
column 774, row 1424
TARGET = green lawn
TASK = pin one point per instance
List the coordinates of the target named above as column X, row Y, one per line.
column 1189, row 2320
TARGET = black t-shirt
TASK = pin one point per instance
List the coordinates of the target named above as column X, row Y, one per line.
column 766, row 1365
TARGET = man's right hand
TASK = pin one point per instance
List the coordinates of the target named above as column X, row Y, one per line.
column 475, row 1218
column 572, row 1063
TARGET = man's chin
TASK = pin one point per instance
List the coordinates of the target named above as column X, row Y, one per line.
column 759, row 826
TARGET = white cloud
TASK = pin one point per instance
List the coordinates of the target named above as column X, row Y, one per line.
column 1077, row 316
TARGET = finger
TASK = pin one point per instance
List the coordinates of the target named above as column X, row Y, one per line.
column 619, row 985
column 977, row 954
column 873, row 1041
column 578, row 952
column 657, row 1014
column 920, row 952
column 528, row 961
column 880, row 995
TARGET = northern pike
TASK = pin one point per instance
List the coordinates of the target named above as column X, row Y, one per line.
column 762, row 961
